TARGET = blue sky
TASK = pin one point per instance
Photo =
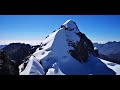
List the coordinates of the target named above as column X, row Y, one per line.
column 34, row 28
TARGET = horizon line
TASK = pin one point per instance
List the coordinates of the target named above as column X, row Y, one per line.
column 37, row 42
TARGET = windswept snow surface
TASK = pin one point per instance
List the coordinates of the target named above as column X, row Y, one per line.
column 115, row 67
column 33, row 68
column 56, row 60
column 55, row 70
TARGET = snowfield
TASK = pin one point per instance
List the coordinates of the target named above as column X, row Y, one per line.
column 115, row 67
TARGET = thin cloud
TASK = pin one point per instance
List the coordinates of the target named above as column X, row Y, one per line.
column 32, row 42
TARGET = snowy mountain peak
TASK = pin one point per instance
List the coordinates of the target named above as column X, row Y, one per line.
column 66, row 51
column 69, row 25
column 69, row 22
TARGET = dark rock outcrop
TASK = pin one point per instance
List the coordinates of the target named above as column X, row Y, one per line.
column 2, row 46
column 82, row 48
column 96, row 53
column 7, row 66
column 18, row 51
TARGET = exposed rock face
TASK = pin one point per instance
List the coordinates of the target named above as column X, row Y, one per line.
column 7, row 66
column 83, row 47
column 18, row 51
column 96, row 53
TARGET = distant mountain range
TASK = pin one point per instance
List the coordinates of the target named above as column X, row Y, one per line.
column 109, row 51
column 19, row 51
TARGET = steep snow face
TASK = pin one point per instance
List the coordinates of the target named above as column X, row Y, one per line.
column 56, row 60
column 56, row 47
column 71, row 24
column 33, row 68
column 70, row 31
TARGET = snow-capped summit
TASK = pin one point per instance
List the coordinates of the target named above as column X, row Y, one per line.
column 70, row 24
column 66, row 51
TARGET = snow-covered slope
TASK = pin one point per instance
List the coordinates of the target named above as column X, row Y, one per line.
column 55, row 58
column 33, row 68
column 115, row 67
